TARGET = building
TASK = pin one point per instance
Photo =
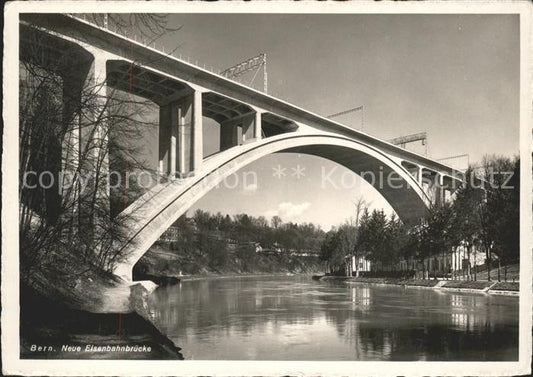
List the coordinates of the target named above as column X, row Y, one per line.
column 357, row 264
column 446, row 265
column 172, row 234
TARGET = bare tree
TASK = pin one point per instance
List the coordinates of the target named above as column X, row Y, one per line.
column 360, row 206
column 148, row 27
column 72, row 134
column 499, row 210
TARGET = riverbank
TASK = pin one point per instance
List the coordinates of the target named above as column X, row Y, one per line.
column 50, row 329
column 163, row 266
column 185, row 278
column 490, row 287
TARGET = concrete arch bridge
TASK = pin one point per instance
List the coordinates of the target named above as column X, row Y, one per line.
column 251, row 125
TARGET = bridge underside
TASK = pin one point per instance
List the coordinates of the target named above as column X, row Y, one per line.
column 155, row 211
column 398, row 192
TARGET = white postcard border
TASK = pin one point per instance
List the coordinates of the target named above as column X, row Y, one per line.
column 12, row 364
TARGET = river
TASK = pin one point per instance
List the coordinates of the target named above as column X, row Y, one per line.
column 296, row 318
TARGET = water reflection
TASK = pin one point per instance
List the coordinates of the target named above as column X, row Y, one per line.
column 360, row 297
column 299, row 319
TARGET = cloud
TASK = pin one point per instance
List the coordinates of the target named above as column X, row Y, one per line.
column 288, row 211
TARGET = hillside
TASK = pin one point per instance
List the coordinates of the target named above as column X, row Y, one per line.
column 161, row 261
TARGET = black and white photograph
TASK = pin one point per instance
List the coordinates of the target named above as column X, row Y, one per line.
column 267, row 188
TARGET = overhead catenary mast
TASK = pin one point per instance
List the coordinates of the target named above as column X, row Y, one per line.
column 252, row 64
column 403, row 140
column 352, row 110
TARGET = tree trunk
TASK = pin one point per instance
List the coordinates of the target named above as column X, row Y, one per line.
column 499, row 269
column 463, row 271
column 468, row 268
column 488, row 261
column 475, row 264
column 443, row 266
column 454, row 265
column 505, row 272
column 347, row 269
column 456, row 256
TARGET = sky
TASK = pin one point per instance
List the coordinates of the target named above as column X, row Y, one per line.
column 455, row 77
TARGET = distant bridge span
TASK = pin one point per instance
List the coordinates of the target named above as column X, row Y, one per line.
column 252, row 125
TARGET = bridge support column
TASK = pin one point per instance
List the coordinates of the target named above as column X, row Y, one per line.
column 167, row 117
column 180, row 136
column 229, row 136
column 438, row 189
column 433, row 184
column 93, row 150
column 251, row 127
column 74, row 81
column 248, row 128
column 447, row 195
column 185, row 146
column 93, row 131
column 257, row 126
column 197, row 125
column 251, row 130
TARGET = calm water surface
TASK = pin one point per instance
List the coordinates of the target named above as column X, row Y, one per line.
column 296, row 318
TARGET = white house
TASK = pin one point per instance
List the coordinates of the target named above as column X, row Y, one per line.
column 357, row 264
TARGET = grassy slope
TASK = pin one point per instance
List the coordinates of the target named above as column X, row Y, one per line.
column 467, row 284
column 513, row 272
column 506, row 286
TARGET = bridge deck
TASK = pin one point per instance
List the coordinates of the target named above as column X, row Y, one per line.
column 89, row 34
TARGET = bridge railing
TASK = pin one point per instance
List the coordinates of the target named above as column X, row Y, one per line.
column 112, row 27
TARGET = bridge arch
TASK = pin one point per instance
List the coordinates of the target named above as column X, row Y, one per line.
column 155, row 211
